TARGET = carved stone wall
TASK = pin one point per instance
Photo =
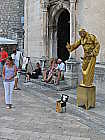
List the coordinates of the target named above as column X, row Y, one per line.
column 11, row 27
column 36, row 28
column 90, row 15
column 41, row 19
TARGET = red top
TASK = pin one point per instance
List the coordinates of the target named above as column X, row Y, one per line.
column 3, row 56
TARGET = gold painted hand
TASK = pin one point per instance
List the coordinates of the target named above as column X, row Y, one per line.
column 68, row 47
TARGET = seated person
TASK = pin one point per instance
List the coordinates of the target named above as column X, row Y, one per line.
column 48, row 74
column 61, row 70
column 35, row 73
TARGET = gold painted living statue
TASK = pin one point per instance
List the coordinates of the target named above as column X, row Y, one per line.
column 91, row 49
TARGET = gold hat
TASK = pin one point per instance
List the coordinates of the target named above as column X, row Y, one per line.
column 82, row 30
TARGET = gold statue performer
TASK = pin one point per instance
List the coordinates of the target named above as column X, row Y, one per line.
column 91, row 49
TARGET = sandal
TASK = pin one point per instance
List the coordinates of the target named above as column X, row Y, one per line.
column 17, row 89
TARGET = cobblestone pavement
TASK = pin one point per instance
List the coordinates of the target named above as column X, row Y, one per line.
column 35, row 118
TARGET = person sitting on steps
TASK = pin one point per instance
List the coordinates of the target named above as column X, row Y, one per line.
column 47, row 74
column 60, row 71
column 35, row 73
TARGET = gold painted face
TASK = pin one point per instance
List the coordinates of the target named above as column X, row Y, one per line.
column 82, row 32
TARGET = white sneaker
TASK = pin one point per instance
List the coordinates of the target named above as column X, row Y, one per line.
column 12, row 106
column 7, row 107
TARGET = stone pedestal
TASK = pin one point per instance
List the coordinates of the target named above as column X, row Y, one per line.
column 72, row 73
column 86, row 96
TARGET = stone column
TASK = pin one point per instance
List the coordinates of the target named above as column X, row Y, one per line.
column 72, row 20
column 72, row 66
column 26, row 28
column 72, row 23
column 52, row 41
column 45, row 27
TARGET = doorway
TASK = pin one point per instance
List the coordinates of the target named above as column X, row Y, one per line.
column 63, row 35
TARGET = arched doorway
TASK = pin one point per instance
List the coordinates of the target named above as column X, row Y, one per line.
column 63, row 34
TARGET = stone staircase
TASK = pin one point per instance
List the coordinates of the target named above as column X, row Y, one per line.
column 61, row 87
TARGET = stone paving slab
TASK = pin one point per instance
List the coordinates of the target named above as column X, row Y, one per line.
column 35, row 118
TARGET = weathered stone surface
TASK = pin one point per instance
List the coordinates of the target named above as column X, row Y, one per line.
column 89, row 15
column 34, row 116
column 11, row 12
column 41, row 19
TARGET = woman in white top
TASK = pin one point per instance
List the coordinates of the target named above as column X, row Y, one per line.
column 9, row 72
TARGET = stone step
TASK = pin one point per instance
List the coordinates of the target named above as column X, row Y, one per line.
column 61, row 87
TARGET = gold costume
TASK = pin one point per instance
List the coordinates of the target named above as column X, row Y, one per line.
column 91, row 49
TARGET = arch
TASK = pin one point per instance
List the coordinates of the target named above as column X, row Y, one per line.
column 63, row 35
column 56, row 11
column 54, row 15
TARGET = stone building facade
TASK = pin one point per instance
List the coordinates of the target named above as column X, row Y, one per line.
column 11, row 20
column 50, row 24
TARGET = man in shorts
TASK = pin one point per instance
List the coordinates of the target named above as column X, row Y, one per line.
column 16, row 57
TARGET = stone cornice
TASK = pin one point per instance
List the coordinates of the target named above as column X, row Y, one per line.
column 72, row 1
column 45, row 4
